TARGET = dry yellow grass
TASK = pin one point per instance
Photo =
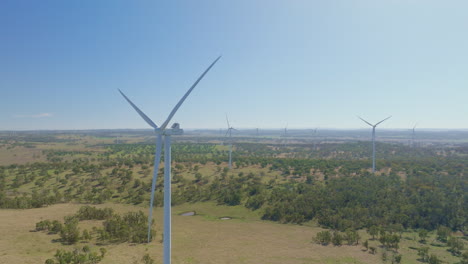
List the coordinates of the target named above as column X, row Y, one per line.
column 20, row 155
column 196, row 239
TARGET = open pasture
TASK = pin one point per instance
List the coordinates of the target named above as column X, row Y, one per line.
column 202, row 238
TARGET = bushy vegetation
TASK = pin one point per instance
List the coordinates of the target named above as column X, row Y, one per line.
column 77, row 256
column 431, row 194
column 93, row 213
column 129, row 227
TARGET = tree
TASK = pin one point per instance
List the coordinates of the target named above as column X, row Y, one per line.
column 352, row 237
column 70, row 232
column 464, row 258
column 43, row 225
column 323, row 237
column 390, row 240
column 337, row 239
column 442, row 233
column 384, row 256
column 86, row 235
column 423, row 234
column 397, row 258
column 103, row 252
column 424, row 253
column 373, row 231
column 147, row 259
column 433, row 259
column 56, row 227
column 456, row 245
column 366, row 244
column 86, row 249
column 83, row 256
column 131, row 227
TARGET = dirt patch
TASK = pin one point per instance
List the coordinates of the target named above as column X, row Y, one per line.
column 192, row 213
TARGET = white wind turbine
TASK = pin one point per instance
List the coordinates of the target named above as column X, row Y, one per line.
column 315, row 138
column 413, row 135
column 229, row 132
column 285, row 136
column 373, row 139
column 166, row 132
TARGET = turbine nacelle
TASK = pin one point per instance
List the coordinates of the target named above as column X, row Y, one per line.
column 174, row 130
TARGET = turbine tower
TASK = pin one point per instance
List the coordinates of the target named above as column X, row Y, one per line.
column 229, row 132
column 315, row 138
column 413, row 135
column 165, row 132
column 373, row 139
column 285, row 136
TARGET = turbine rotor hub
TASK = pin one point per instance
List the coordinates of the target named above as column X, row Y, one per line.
column 174, row 130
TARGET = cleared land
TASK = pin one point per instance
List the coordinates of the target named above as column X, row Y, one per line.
column 203, row 238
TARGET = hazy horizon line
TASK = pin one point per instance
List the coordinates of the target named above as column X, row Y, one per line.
column 239, row 128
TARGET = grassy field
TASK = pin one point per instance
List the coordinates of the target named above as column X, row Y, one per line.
column 202, row 238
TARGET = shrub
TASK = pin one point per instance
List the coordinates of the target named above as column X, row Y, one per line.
column 70, row 232
column 456, row 245
column 131, row 227
column 56, row 227
column 44, row 225
column 83, row 256
column 92, row 213
column 337, row 239
column 442, row 233
column 323, row 237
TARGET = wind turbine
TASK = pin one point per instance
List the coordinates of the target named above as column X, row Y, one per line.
column 413, row 135
column 315, row 138
column 229, row 131
column 373, row 139
column 285, row 136
column 165, row 132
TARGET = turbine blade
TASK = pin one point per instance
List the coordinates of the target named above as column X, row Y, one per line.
column 157, row 160
column 164, row 125
column 227, row 132
column 227, row 120
column 366, row 121
column 145, row 117
column 382, row 121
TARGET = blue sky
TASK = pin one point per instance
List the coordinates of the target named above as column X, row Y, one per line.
column 303, row 63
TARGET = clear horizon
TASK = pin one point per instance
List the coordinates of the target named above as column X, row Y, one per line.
column 302, row 64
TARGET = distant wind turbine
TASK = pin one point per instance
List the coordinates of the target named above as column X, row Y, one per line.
column 285, row 136
column 229, row 132
column 315, row 138
column 413, row 135
column 166, row 132
column 373, row 139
